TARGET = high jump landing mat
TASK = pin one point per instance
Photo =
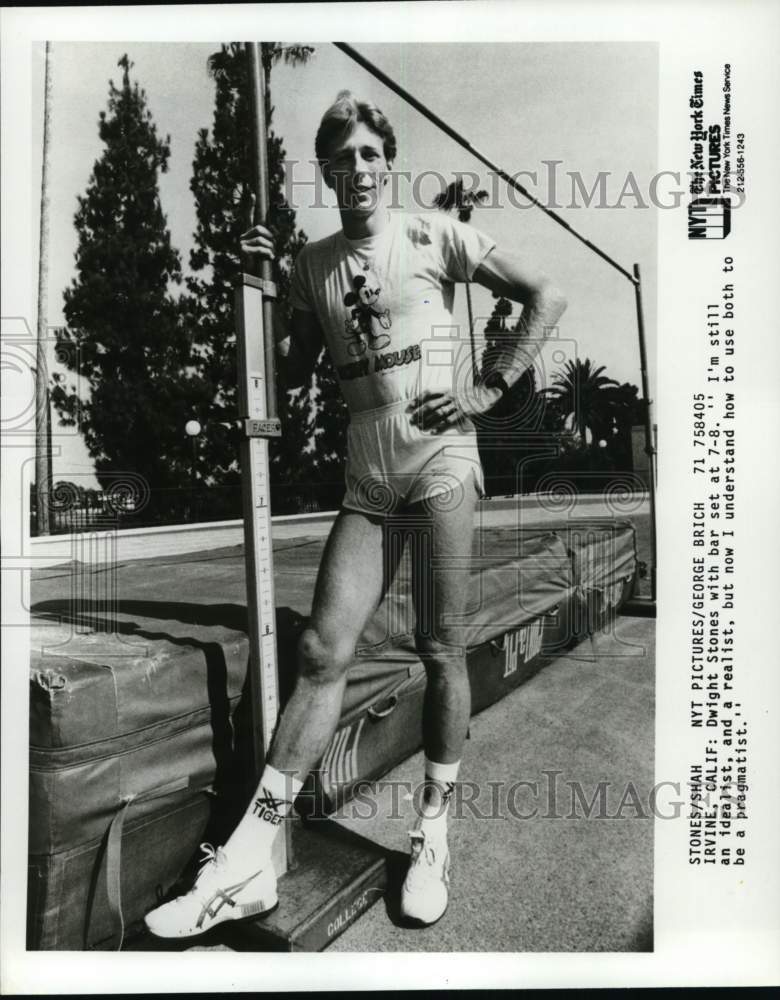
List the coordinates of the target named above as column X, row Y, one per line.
column 138, row 717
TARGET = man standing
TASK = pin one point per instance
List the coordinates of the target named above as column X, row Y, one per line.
column 375, row 293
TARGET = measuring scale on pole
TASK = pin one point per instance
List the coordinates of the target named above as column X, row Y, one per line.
column 258, row 427
column 254, row 295
column 251, row 294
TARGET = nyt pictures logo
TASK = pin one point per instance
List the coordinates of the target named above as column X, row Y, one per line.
column 709, row 219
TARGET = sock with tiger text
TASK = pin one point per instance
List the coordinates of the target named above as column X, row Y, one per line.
column 438, row 789
column 249, row 846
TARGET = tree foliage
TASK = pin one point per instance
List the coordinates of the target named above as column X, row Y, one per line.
column 593, row 415
column 124, row 339
column 456, row 198
column 584, row 398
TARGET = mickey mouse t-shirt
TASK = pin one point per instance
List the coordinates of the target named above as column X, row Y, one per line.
column 384, row 304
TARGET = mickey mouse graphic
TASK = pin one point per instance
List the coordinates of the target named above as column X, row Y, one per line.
column 365, row 308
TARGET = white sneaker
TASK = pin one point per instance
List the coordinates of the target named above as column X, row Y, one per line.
column 424, row 893
column 216, row 896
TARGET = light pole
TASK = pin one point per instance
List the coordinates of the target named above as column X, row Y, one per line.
column 42, row 455
column 192, row 429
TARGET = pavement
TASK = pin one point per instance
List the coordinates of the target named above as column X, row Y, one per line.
column 563, row 879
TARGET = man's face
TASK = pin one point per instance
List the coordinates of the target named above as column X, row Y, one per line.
column 357, row 170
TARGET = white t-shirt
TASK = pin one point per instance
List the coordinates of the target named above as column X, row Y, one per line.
column 384, row 304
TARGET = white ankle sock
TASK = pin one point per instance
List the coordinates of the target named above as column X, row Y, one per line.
column 251, row 841
column 433, row 815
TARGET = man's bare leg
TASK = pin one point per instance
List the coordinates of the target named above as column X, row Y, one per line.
column 353, row 576
column 440, row 591
column 441, row 572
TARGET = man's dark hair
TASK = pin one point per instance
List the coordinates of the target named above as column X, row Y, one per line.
column 342, row 116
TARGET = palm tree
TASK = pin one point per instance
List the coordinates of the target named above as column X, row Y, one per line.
column 221, row 66
column 454, row 197
column 584, row 398
column 272, row 53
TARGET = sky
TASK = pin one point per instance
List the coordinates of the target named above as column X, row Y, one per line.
column 591, row 106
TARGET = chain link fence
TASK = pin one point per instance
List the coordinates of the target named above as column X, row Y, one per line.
column 128, row 503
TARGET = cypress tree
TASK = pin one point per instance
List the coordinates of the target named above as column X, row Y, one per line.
column 124, row 338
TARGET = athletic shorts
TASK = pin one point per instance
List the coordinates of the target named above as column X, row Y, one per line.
column 391, row 462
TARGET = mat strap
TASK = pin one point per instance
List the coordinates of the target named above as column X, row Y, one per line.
column 114, row 848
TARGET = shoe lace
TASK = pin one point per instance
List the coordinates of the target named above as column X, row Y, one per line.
column 213, row 858
column 210, row 853
column 425, row 855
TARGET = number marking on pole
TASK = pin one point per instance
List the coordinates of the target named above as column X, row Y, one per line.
column 258, row 536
